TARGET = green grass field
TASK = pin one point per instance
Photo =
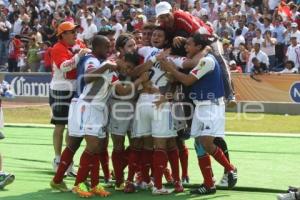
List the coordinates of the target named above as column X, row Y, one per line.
column 266, row 165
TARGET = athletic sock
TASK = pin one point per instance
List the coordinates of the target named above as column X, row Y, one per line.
column 206, row 170
column 184, row 158
column 133, row 161
column 65, row 160
column 173, row 157
column 221, row 158
column 95, row 170
column 160, row 160
column 118, row 164
column 104, row 160
column 147, row 159
column 86, row 162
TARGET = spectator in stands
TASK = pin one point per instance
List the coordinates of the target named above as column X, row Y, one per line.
column 268, row 47
column 295, row 32
column 198, row 11
column 258, row 67
column 5, row 27
column 289, row 68
column 293, row 51
column 259, row 55
column 90, row 30
column 14, row 53
column 234, row 68
column 46, row 58
column 278, row 34
column 33, row 59
column 242, row 56
column 259, row 38
column 251, row 33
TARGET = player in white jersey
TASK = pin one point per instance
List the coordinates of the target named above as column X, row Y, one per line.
column 154, row 121
column 121, row 114
column 89, row 116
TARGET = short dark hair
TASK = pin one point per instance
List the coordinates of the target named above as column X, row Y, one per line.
column 122, row 40
column 201, row 39
column 290, row 62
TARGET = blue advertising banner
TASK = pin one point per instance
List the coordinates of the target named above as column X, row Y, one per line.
column 29, row 85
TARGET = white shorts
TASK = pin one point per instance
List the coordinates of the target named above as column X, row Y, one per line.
column 121, row 114
column 209, row 120
column 87, row 119
column 150, row 120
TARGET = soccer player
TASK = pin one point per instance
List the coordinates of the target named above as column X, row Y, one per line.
column 5, row 178
column 120, row 122
column 207, row 92
column 89, row 109
column 153, row 121
column 62, row 86
column 180, row 25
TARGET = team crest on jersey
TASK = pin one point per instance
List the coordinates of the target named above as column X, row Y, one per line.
column 114, row 79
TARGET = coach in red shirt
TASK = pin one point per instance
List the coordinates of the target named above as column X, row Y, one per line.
column 64, row 61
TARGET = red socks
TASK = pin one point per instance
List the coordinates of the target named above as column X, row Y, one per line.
column 147, row 159
column 220, row 157
column 118, row 165
column 184, row 157
column 104, row 160
column 160, row 160
column 95, row 170
column 65, row 161
column 205, row 167
column 133, row 163
column 86, row 163
column 173, row 156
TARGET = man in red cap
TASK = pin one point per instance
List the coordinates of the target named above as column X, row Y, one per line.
column 62, row 87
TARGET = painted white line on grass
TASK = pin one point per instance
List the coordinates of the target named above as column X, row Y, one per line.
column 229, row 133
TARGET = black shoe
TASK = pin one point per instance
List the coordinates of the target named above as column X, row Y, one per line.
column 203, row 190
column 1, row 136
column 293, row 189
column 6, row 179
column 232, row 178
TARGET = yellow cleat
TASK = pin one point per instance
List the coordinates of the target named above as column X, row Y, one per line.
column 82, row 191
column 100, row 191
column 59, row 186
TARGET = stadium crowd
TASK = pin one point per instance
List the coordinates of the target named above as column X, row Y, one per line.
column 129, row 41
column 266, row 30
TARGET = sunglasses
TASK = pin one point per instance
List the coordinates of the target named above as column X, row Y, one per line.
column 72, row 32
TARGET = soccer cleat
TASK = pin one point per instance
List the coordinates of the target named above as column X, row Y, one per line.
column 168, row 176
column 224, row 181
column 287, row 196
column 108, row 183
column 55, row 165
column 71, row 171
column 1, row 135
column 6, row 179
column 100, row 191
column 129, row 187
column 120, row 187
column 185, row 180
column 178, row 187
column 82, row 190
column 232, row 178
column 62, row 187
column 162, row 191
column 293, row 189
column 203, row 190
column 145, row 186
column 231, row 101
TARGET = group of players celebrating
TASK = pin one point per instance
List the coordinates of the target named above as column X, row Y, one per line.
column 155, row 92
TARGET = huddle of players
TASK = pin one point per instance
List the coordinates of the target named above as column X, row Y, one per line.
column 149, row 117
